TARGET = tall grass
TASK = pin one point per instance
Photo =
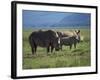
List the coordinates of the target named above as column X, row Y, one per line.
column 66, row 58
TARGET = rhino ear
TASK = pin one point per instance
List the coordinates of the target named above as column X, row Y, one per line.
column 57, row 32
column 74, row 32
column 77, row 31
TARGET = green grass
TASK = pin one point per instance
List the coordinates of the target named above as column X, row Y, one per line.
column 66, row 58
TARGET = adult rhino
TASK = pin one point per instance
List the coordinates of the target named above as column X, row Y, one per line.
column 67, row 33
column 47, row 39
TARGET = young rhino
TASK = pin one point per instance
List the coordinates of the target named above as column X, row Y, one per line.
column 70, row 40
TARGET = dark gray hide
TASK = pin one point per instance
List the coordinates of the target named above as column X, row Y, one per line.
column 66, row 39
column 47, row 39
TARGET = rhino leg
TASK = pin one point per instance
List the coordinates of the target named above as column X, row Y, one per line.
column 74, row 45
column 61, row 47
column 35, row 49
column 70, row 46
column 48, row 49
column 52, row 49
column 32, row 47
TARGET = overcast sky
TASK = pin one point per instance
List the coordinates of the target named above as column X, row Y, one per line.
column 46, row 18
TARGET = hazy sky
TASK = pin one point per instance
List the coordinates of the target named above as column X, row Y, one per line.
column 46, row 18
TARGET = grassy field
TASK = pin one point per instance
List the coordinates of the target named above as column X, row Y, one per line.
column 66, row 58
